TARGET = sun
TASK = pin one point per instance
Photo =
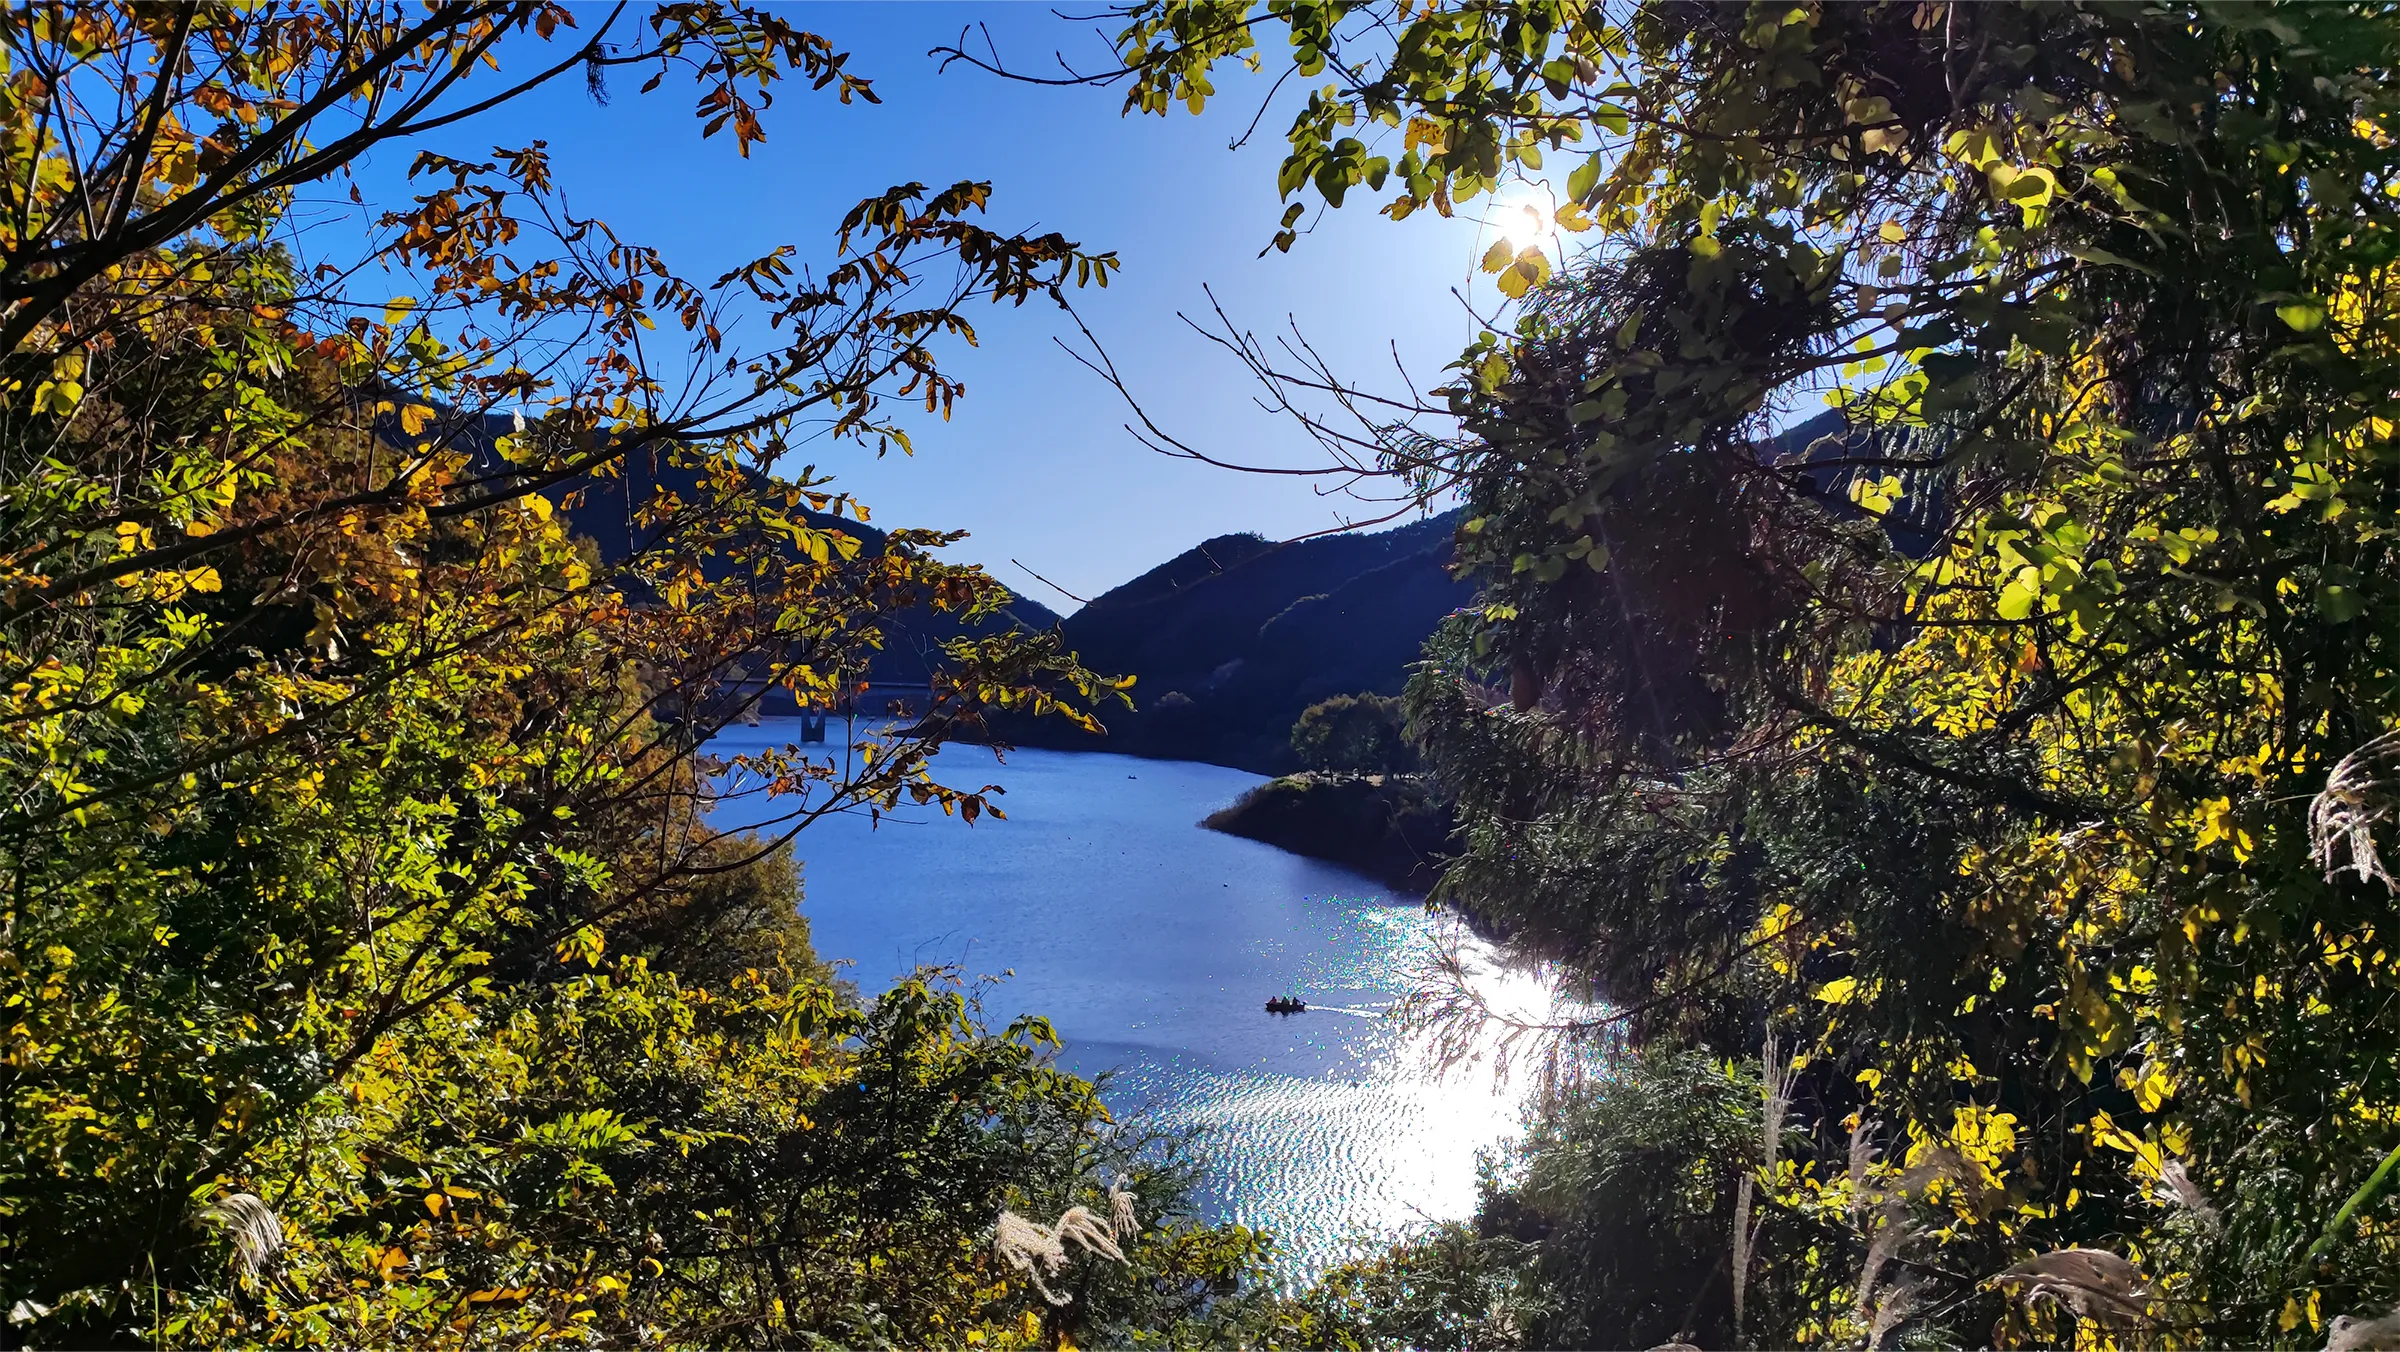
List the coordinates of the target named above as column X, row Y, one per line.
column 1524, row 214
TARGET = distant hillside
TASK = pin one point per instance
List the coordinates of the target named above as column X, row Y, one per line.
column 913, row 638
column 602, row 511
column 1233, row 638
column 1230, row 640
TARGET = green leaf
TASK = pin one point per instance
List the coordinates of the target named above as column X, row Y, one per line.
column 1585, row 178
column 2304, row 314
column 2104, row 258
column 2022, row 594
column 2338, row 603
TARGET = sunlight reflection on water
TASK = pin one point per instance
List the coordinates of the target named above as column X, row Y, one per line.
column 1332, row 1166
column 1151, row 944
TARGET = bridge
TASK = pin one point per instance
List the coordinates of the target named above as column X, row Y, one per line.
column 881, row 699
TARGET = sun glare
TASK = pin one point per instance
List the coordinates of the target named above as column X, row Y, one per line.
column 1523, row 215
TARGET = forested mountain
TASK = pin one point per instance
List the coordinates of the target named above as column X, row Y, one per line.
column 617, row 513
column 609, row 511
column 1231, row 639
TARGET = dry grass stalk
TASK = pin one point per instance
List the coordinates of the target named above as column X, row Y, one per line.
column 1890, row 1238
column 1743, row 1231
column 2349, row 1333
column 1776, row 1079
column 2090, row 1283
column 1080, row 1225
column 251, row 1226
column 1891, row 1312
column 1862, row 1159
column 1035, row 1249
column 2342, row 817
column 2177, row 1187
column 1121, row 1219
column 1031, row 1248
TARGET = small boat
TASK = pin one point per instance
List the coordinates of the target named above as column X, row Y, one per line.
column 1286, row 1004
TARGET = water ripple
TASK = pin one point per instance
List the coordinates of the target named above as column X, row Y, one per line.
column 1151, row 944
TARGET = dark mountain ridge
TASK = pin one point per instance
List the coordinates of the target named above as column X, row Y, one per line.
column 1232, row 639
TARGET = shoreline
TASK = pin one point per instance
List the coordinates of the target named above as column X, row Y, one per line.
column 1393, row 828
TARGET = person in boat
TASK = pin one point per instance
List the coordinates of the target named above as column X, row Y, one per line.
column 1285, row 1004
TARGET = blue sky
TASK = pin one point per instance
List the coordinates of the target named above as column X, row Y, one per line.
column 1035, row 461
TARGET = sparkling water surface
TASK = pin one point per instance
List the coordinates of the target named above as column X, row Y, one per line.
column 1151, row 944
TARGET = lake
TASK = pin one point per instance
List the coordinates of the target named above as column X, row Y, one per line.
column 1151, row 944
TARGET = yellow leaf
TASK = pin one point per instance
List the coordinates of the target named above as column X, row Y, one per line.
column 585, row 942
column 2217, row 823
column 1875, row 497
column 59, row 396
column 2154, row 1089
column 2030, row 186
column 414, row 417
column 1979, row 146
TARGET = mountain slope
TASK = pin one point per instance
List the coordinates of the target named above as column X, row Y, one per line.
column 1232, row 639
column 601, row 509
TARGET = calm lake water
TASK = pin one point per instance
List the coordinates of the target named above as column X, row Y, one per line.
column 1151, row 944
